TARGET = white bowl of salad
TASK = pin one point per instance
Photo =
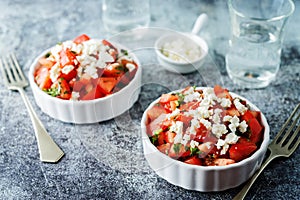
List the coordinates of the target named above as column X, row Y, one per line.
column 181, row 52
column 85, row 80
column 204, row 139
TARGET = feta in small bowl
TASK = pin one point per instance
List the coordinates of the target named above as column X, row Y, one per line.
column 181, row 52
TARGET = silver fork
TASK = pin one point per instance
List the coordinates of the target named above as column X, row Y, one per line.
column 283, row 145
column 15, row 80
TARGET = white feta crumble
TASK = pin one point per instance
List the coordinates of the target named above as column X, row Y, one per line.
column 104, row 57
column 177, row 138
column 177, row 127
column 173, row 114
column 54, row 72
column 130, row 67
column 227, row 118
column 206, row 123
column 219, row 129
column 234, row 123
column 185, row 139
column 216, row 117
column 91, row 71
column 231, row 138
column 55, row 51
column 225, row 103
column 67, row 69
column 195, row 123
column 194, row 143
column 75, row 96
column 239, row 106
column 243, row 126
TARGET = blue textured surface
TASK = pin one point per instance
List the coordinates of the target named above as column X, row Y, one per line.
column 105, row 160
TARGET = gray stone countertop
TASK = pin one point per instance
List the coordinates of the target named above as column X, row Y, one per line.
column 105, row 160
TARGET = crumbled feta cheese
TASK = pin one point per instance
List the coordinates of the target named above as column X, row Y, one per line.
column 181, row 50
column 67, row 69
column 220, row 143
column 186, row 138
column 231, row 138
column 177, row 138
column 173, row 114
column 239, row 106
column 227, row 118
column 206, row 123
column 55, row 51
column 191, row 97
column 234, row 123
column 194, row 143
column 219, row 129
column 130, row 67
column 225, row 103
column 177, row 127
column 54, row 72
column 75, row 96
column 243, row 126
column 91, row 71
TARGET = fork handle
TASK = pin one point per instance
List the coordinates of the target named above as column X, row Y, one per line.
column 242, row 194
column 48, row 149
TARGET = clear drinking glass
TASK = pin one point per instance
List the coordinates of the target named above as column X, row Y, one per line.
column 257, row 27
column 122, row 15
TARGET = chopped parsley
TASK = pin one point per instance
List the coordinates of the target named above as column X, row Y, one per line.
column 53, row 91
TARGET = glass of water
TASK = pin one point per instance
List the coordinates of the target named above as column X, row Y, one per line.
column 123, row 15
column 257, row 27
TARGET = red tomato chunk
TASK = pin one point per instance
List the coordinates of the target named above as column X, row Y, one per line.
column 204, row 127
column 84, row 69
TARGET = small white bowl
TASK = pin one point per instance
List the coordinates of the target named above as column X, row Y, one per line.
column 88, row 111
column 186, row 66
column 203, row 178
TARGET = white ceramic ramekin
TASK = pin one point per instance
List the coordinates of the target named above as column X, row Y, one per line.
column 181, row 67
column 203, row 178
column 89, row 111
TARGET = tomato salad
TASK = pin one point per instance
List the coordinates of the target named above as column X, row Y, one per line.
column 206, row 127
column 84, row 69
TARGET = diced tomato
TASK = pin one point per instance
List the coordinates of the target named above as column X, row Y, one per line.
column 232, row 111
column 80, row 84
column 169, row 136
column 185, row 119
column 114, row 70
column 155, row 124
column 247, row 116
column 107, row 84
column 95, row 93
column 221, row 92
column 46, row 62
column 67, row 57
column 202, row 134
column 81, row 38
column 189, row 106
column 107, row 43
column 154, row 112
column 161, row 138
column 256, row 130
column 178, row 151
column 164, row 148
column 72, row 74
column 42, row 78
column 63, row 88
column 166, row 98
column 241, row 150
column 193, row 161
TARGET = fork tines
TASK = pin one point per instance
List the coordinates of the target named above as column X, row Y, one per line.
column 290, row 129
column 11, row 70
